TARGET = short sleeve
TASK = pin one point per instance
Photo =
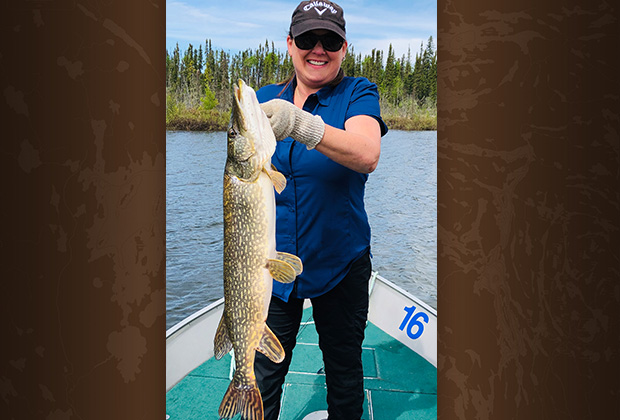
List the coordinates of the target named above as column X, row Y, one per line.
column 365, row 101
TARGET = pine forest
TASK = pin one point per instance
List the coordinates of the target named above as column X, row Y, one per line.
column 199, row 83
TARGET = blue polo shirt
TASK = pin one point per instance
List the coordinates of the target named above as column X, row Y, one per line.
column 320, row 215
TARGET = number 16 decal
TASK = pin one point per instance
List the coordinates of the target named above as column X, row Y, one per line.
column 414, row 321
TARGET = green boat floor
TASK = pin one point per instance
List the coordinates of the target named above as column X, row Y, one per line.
column 399, row 384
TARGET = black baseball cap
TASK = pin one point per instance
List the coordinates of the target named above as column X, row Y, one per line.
column 311, row 15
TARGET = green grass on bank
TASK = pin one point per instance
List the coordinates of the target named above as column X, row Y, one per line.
column 198, row 120
column 409, row 116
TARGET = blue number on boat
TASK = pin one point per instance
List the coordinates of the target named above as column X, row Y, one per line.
column 414, row 321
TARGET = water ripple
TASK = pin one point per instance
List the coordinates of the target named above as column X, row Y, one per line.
column 401, row 201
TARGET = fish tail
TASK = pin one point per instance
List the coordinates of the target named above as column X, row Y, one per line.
column 242, row 399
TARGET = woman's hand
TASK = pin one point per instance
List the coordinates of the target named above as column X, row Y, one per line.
column 289, row 121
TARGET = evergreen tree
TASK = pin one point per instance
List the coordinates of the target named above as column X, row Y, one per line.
column 175, row 64
column 391, row 84
column 201, row 78
column 408, row 75
column 433, row 75
column 348, row 64
column 425, row 72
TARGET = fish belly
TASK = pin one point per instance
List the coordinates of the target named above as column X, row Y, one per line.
column 249, row 241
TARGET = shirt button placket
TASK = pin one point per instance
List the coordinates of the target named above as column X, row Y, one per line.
column 292, row 210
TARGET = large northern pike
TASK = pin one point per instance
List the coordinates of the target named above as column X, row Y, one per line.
column 250, row 256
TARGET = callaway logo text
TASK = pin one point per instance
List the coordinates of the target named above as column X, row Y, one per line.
column 317, row 4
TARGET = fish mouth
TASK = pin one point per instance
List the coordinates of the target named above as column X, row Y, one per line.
column 238, row 116
column 238, row 88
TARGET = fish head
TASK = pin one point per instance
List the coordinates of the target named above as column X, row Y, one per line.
column 251, row 141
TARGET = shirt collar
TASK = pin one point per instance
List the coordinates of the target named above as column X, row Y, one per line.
column 323, row 95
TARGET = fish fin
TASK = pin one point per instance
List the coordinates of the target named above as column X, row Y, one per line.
column 243, row 399
column 281, row 271
column 221, row 342
column 278, row 180
column 292, row 260
column 270, row 346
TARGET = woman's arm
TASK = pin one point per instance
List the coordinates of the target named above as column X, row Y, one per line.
column 357, row 147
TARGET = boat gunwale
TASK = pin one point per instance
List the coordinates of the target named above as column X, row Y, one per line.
column 197, row 317
column 176, row 328
column 201, row 312
column 408, row 295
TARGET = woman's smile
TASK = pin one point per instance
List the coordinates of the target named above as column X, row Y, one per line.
column 316, row 62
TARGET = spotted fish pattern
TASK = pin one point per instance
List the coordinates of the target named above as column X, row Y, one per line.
column 250, row 257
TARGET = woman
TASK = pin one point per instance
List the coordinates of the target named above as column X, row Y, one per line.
column 329, row 130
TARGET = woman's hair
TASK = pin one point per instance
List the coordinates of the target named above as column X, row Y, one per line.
column 286, row 82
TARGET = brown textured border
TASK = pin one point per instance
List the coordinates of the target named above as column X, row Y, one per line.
column 83, row 182
column 528, row 267
column 528, row 209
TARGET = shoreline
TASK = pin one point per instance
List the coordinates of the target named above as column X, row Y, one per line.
column 220, row 123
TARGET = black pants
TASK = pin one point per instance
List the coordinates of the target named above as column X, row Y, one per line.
column 340, row 318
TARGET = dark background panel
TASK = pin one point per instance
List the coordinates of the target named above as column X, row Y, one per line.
column 528, row 210
column 83, row 181
column 527, row 204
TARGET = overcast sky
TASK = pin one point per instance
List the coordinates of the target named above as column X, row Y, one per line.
column 236, row 25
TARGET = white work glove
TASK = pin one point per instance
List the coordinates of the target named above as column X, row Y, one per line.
column 289, row 121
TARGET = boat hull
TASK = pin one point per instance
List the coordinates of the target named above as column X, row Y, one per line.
column 393, row 310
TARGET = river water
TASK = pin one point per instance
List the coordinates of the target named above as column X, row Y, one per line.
column 401, row 201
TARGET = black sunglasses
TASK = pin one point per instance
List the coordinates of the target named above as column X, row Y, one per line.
column 330, row 41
